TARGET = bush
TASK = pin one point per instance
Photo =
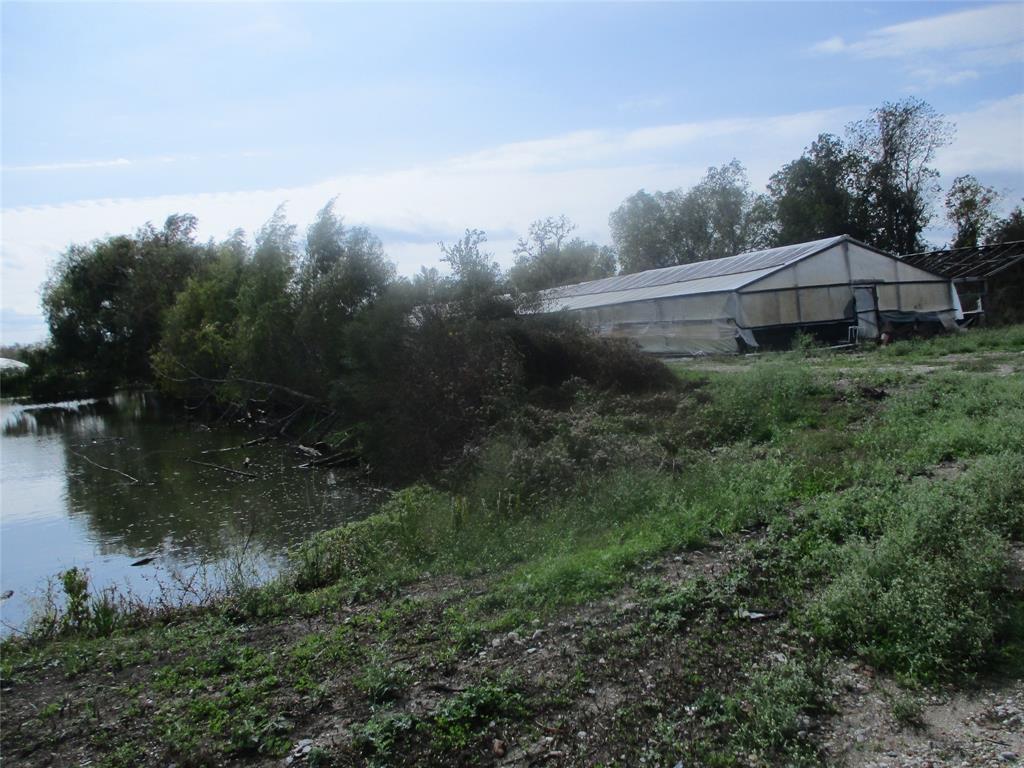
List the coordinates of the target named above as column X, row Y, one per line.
column 928, row 595
column 79, row 611
column 393, row 544
column 555, row 350
column 426, row 385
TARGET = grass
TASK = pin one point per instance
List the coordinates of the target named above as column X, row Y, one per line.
column 1008, row 338
column 871, row 527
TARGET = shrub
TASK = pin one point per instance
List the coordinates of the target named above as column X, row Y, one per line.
column 427, row 383
column 927, row 596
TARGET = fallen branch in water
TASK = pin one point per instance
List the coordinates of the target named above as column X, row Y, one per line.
column 247, row 444
column 109, row 469
column 334, row 460
column 222, row 468
column 252, row 382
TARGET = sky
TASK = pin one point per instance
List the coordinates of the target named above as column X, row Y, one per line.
column 424, row 119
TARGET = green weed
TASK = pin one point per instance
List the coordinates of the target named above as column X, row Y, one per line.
column 459, row 720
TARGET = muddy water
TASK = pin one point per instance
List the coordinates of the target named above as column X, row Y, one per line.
column 104, row 483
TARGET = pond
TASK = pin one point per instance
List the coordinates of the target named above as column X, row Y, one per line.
column 102, row 484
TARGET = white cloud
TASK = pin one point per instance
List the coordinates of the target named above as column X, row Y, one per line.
column 988, row 139
column 136, row 162
column 992, row 27
column 81, row 165
column 832, row 45
column 943, row 50
column 598, row 148
column 931, row 78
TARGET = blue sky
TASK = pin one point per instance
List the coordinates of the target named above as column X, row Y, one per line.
column 425, row 119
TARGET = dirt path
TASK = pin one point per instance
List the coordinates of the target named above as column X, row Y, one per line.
column 880, row 726
column 998, row 363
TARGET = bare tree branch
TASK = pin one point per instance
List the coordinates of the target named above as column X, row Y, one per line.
column 109, row 469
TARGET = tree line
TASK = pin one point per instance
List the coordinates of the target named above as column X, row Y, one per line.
column 876, row 183
column 316, row 330
column 321, row 321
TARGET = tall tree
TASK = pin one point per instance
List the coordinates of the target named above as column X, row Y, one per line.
column 198, row 330
column 719, row 216
column 1009, row 229
column 342, row 272
column 547, row 257
column 104, row 302
column 895, row 147
column 969, row 207
column 475, row 273
column 815, row 196
column 640, row 231
column 264, row 335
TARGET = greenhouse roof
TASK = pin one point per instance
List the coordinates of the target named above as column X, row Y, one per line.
column 7, row 364
column 712, row 276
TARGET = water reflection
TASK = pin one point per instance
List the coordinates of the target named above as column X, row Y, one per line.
column 101, row 483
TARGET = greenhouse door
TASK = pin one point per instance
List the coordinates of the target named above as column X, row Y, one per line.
column 865, row 300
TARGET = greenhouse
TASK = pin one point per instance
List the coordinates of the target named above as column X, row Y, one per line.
column 837, row 289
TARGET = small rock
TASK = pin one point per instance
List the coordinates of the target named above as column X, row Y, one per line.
column 1008, row 757
column 581, row 735
column 513, row 637
column 531, row 650
column 495, row 642
column 536, row 633
column 499, row 748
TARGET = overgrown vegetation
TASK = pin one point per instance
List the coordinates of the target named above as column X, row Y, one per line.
column 676, row 573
